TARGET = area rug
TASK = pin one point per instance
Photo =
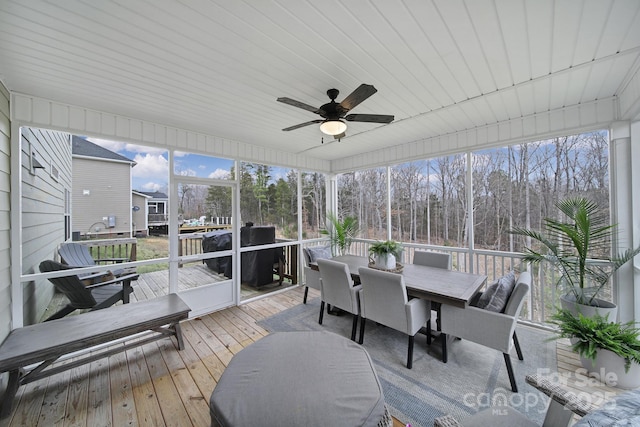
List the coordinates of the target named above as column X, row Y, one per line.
column 474, row 378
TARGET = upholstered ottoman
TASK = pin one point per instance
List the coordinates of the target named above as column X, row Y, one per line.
column 299, row 379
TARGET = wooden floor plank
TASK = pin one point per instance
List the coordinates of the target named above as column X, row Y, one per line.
column 208, row 338
column 159, row 283
column 55, row 401
column 206, row 355
column 123, row 407
column 202, row 377
column 147, row 406
column 195, row 401
column 220, row 326
column 266, row 308
column 173, row 411
column 276, row 304
column 239, row 320
column 27, row 411
column 77, row 399
column 252, row 311
column 99, row 403
column 147, row 288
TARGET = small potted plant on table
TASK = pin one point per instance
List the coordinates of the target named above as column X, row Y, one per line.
column 385, row 253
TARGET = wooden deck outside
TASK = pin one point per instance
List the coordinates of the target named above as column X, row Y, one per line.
column 156, row 283
column 156, row 385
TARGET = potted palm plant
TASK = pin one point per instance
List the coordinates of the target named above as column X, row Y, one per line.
column 341, row 233
column 385, row 254
column 572, row 246
column 611, row 350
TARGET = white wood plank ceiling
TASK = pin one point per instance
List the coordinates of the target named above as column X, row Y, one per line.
column 217, row 66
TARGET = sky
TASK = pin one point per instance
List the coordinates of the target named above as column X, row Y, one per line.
column 151, row 172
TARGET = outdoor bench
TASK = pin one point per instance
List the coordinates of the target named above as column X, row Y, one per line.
column 43, row 343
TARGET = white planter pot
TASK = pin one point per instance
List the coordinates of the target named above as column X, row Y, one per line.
column 609, row 369
column 385, row 261
column 604, row 308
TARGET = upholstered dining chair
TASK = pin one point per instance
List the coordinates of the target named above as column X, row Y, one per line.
column 493, row 329
column 436, row 260
column 92, row 297
column 384, row 300
column 311, row 276
column 337, row 290
column 432, row 259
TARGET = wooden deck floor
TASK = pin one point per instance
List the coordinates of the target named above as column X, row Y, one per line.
column 155, row 385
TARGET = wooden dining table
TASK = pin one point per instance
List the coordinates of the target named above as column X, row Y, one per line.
column 430, row 283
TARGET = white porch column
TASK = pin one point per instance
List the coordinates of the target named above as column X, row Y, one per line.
column 635, row 195
column 331, row 192
column 625, row 210
column 389, row 203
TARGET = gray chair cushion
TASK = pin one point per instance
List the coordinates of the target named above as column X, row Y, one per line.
column 315, row 253
column 496, row 296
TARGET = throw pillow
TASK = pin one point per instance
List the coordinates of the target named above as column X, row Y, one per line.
column 318, row 252
column 496, row 296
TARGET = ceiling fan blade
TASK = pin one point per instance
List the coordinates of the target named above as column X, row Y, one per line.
column 301, row 125
column 371, row 118
column 357, row 96
column 298, row 104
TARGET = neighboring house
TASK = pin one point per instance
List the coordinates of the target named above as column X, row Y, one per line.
column 158, row 211
column 140, row 214
column 102, row 196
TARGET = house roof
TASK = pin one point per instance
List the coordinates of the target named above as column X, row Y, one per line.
column 444, row 69
column 141, row 194
column 154, row 194
column 82, row 147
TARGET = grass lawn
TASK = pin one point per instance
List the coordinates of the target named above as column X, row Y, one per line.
column 150, row 248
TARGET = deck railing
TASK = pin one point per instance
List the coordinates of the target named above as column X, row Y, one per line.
column 191, row 244
column 112, row 248
column 539, row 306
column 154, row 218
column 544, row 296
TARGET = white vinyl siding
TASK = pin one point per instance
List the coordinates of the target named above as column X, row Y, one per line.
column 43, row 210
column 5, row 221
column 140, row 217
column 101, row 189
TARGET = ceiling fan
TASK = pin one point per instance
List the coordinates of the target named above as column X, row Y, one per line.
column 334, row 114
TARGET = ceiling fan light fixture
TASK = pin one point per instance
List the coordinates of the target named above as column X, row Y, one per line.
column 333, row 127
